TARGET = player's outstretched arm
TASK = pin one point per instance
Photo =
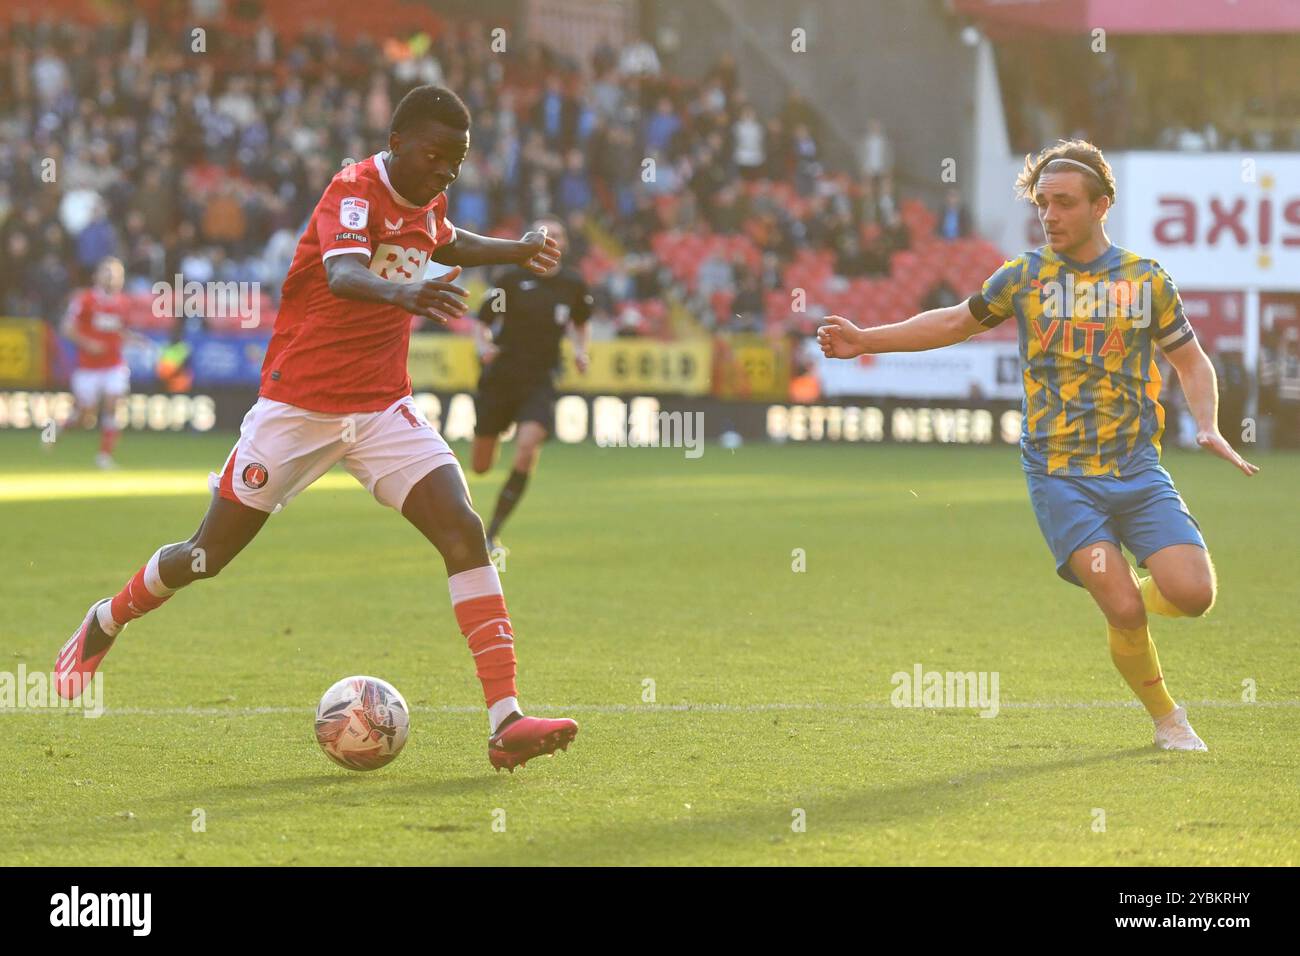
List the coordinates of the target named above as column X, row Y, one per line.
column 437, row 299
column 1201, row 389
column 840, row 338
column 536, row 251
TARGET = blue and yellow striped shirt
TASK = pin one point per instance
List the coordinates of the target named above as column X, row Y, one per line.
column 1088, row 334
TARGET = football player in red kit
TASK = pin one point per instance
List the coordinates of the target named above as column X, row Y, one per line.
column 335, row 389
column 95, row 325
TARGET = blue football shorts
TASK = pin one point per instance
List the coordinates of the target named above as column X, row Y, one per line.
column 1143, row 512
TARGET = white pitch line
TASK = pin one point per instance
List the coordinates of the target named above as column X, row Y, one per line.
column 238, row 712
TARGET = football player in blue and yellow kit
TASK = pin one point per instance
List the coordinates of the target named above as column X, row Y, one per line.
column 1090, row 317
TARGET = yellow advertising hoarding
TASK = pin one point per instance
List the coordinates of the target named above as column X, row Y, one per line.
column 751, row 366
column 450, row 363
column 642, row 365
column 443, row 362
column 22, row 352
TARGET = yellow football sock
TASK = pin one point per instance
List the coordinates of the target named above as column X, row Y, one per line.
column 1154, row 601
column 1134, row 654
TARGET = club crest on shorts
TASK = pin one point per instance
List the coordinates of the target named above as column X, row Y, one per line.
column 255, row 475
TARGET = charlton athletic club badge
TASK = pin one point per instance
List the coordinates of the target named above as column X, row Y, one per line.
column 255, row 475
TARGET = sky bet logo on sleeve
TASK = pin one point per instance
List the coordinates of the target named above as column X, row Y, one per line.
column 354, row 212
column 103, row 909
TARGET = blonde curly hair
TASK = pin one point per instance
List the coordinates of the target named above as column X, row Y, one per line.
column 1076, row 153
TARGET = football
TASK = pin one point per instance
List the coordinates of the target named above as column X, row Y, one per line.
column 362, row 723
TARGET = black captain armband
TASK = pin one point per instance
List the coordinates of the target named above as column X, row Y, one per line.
column 983, row 314
column 1181, row 334
column 980, row 310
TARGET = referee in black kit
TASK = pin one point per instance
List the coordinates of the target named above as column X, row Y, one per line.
column 521, row 323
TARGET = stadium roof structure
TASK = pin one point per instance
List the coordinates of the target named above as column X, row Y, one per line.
column 1152, row 17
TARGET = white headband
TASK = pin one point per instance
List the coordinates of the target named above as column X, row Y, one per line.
column 1074, row 162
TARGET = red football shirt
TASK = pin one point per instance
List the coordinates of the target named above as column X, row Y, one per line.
column 339, row 355
column 99, row 317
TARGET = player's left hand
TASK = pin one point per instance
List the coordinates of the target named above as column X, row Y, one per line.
column 539, row 252
column 1216, row 444
column 582, row 362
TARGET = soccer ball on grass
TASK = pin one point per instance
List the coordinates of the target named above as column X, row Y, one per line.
column 362, row 723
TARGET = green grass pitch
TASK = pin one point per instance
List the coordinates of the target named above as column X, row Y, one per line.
column 770, row 739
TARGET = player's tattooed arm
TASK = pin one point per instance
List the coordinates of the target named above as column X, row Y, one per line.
column 437, row 299
column 1201, row 389
column 536, row 251
column 840, row 338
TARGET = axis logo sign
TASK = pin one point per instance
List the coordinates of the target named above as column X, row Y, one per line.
column 1221, row 221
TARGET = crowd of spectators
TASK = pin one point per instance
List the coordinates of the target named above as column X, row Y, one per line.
column 1150, row 92
column 122, row 139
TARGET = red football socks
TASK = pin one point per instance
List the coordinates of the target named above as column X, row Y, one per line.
column 480, row 608
column 144, row 592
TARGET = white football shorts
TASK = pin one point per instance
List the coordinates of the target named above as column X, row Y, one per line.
column 282, row 449
column 89, row 385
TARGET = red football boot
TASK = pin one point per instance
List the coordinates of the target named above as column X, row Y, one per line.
column 80, row 657
column 524, row 738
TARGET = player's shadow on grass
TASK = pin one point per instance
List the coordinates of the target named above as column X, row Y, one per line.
column 172, row 812
column 769, row 825
column 366, row 787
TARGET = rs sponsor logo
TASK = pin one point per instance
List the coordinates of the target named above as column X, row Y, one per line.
column 397, row 263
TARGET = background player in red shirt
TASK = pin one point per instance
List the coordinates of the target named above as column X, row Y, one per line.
column 335, row 390
column 95, row 324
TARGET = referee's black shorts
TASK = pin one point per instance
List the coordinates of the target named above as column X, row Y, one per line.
column 501, row 402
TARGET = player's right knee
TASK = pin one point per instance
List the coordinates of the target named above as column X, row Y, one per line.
column 1125, row 611
column 1194, row 600
column 462, row 535
column 469, row 524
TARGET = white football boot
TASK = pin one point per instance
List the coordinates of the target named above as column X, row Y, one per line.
column 1173, row 732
